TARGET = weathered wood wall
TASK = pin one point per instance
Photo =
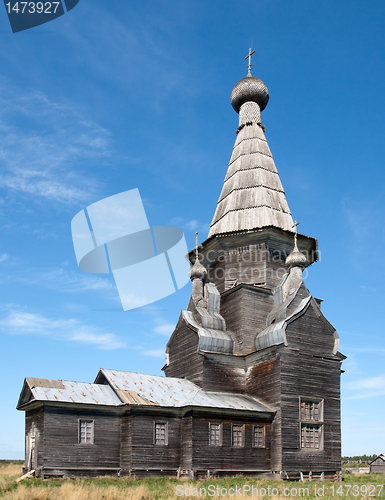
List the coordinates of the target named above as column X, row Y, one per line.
column 184, row 360
column 377, row 468
column 245, row 309
column 264, row 381
column 227, row 457
column 311, row 333
column 315, row 378
column 219, row 376
column 125, row 444
column 35, row 418
column 62, row 449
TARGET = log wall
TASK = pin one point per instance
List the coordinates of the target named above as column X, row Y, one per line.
column 184, row 360
column 227, row 457
column 62, row 449
column 318, row 379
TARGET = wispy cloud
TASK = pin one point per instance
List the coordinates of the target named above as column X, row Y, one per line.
column 4, row 257
column 366, row 388
column 191, row 225
column 42, row 159
column 59, row 279
column 19, row 322
column 165, row 329
column 67, row 281
column 154, row 353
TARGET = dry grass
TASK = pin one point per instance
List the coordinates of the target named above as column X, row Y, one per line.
column 75, row 491
column 10, row 470
column 113, row 488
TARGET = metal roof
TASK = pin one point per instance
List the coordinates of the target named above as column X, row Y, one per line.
column 135, row 389
column 71, row 392
column 210, row 339
column 177, row 392
column 275, row 334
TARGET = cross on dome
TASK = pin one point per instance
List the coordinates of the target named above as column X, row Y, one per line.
column 249, row 57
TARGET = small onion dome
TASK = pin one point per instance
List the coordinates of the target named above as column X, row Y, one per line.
column 197, row 271
column 249, row 89
column 296, row 258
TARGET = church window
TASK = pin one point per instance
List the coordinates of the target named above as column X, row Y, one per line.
column 215, row 434
column 238, row 435
column 311, row 410
column 311, row 436
column 259, row 436
column 161, row 433
column 86, row 431
column 311, row 416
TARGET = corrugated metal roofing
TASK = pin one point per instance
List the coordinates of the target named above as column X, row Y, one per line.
column 178, row 393
column 72, row 392
column 140, row 390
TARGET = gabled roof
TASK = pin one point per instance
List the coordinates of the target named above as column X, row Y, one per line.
column 141, row 389
column 63, row 391
column 381, row 456
column 252, row 195
column 119, row 388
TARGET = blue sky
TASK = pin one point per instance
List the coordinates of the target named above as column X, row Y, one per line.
column 121, row 95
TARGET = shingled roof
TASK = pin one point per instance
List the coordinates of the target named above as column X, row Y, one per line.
column 252, row 196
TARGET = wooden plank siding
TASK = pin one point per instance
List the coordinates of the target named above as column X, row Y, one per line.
column 125, row 444
column 264, row 382
column 314, row 378
column 228, row 457
column 311, row 333
column 220, row 377
column 245, row 309
column 379, row 469
column 184, row 359
column 62, row 447
column 34, row 421
column 186, row 443
column 148, row 458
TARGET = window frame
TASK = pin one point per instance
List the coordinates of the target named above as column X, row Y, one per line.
column 263, row 427
column 220, row 424
column 86, row 421
column 160, row 422
column 242, row 426
column 311, row 421
column 315, row 428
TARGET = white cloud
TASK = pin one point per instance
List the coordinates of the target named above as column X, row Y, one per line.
column 165, row 329
column 155, row 353
column 191, row 225
column 4, row 257
column 59, row 279
column 366, row 388
column 42, row 160
column 19, row 322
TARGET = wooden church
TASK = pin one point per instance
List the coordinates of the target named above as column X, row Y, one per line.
column 252, row 381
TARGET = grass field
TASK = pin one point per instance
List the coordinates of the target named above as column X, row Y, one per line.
column 366, row 486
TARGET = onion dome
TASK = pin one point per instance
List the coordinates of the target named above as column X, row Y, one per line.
column 296, row 258
column 249, row 89
column 197, row 271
